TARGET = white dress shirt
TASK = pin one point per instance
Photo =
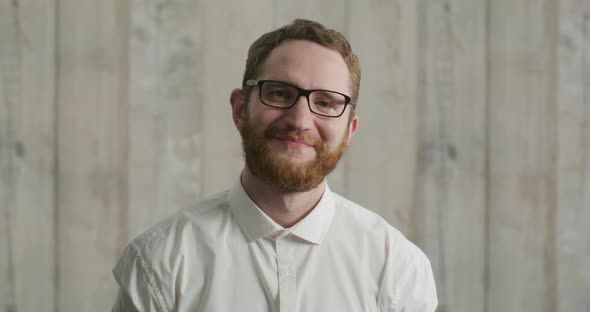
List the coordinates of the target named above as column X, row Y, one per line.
column 226, row 254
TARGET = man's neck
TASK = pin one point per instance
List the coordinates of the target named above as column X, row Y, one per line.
column 285, row 208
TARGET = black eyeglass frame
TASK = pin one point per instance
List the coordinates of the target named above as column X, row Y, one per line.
column 304, row 92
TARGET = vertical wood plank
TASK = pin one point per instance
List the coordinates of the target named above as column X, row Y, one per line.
column 451, row 177
column 522, row 155
column 166, row 120
column 8, row 100
column 333, row 14
column 92, row 185
column 381, row 163
column 573, row 158
column 27, row 160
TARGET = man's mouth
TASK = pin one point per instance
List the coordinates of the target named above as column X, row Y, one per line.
column 291, row 140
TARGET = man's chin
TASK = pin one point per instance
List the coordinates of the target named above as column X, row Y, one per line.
column 292, row 156
column 303, row 153
column 294, row 161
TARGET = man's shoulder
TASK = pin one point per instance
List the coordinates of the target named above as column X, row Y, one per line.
column 362, row 220
column 151, row 261
column 187, row 223
column 357, row 215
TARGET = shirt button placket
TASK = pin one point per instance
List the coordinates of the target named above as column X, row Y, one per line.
column 286, row 275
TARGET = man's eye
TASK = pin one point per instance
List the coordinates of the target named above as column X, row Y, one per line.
column 278, row 94
column 323, row 104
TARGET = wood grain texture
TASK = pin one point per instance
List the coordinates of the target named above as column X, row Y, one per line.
column 27, row 160
column 165, row 119
column 8, row 100
column 522, row 151
column 573, row 158
column 331, row 13
column 451, row 175
column 92, row 172
column 381, row 161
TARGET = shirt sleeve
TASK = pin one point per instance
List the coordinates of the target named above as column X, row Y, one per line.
column 408, row 282
column 138, row 289
column 123, row 303
column 418, row 293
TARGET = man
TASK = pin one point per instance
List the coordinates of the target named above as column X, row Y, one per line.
column 279, row 239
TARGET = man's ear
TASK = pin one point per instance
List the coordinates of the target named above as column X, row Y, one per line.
column 354, row 124
column 237, row 101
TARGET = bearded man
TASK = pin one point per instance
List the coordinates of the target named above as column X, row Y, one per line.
column 279, row 239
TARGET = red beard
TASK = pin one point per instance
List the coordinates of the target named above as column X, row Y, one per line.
column 287, row 175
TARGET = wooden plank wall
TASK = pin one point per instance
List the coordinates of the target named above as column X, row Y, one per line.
column 28, row 156
column 521, row 144
column 474, row 137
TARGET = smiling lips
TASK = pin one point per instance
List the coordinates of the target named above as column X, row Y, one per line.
column 294, row 140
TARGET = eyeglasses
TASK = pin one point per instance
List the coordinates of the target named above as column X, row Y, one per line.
column 283, row 95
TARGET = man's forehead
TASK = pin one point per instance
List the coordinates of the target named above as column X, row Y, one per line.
column 307, row 65
column 299, row 50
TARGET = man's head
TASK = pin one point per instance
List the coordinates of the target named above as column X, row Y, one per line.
column 294, row 148
column 308, row 31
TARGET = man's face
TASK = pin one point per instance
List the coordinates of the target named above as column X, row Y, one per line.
column 294, row 149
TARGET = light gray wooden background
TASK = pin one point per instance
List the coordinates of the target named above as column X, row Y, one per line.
column 474, row 136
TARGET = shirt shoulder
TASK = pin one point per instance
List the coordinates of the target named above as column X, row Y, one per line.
column 149, row 265
column 362, row 219
column 198, row 215
column 407, row 281
column 376, row 231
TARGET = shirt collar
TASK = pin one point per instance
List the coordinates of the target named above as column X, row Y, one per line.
column 256, row 224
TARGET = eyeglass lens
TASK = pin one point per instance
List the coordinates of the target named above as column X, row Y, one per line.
column 282, row 95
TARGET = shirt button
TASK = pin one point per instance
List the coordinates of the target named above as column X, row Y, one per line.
column 284, row 272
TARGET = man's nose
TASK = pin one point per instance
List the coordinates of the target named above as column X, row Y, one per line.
column 299, row 116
